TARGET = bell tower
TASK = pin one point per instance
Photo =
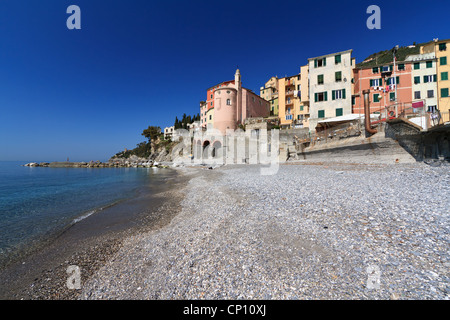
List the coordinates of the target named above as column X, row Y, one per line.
column 238, row 86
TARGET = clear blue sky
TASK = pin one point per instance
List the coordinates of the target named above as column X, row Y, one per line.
column 87, row 94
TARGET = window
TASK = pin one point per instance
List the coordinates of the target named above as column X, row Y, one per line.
column 289, row 117
column 444, row 93
column 443, row 61
column 395, row 80
column 211, row 103
column 211, row 96
column 376, row 98
column 228, row 102
column 401, row 67
column 339, row 112
column 375, row 70
column 301, row 108
column 385, row 68
column 338, row 76
column 321, row 114
column 429, row 64
column 320, row 96
column 392, row 96
column 353, row 101
column 376, row 82
column 337, row 59
column 416, row 65
column 416, row 94
column 210, row 117
column 431, row 78
column 320, row 62
column 430, row 94
column 320, row 79
column 432, row 109
column 338, row 94
column 417, row 80
column 444, row 75
column 442, row 46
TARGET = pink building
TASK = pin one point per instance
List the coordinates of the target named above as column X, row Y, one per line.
column 233, row 104
column 380, row 80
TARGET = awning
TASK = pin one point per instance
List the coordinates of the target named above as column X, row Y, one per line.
column 346, row 118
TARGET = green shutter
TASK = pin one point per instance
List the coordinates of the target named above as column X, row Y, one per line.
column 444, row 92
column 333, row 95
column 381, row 81
column 321, row 114
column 417, row 80
column 442, row 46
column 417, row 66
column 429, row 64
column 343, row 93
column 444, row 75
column 324, row 62
column 371, row 82
column 397, row 80
column 425, row 79
column 339, row 112
column 434, row 77
column 315, row 63
column 375, row 70
column 375, row 97
column 325, row 96
column 337, row 59
column 443, row 61
column 315, row 97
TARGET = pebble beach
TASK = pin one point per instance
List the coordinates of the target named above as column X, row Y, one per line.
column 310, row 231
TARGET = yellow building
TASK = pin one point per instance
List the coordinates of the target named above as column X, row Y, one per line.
column 210, row 118
column 293, row 100
column 270, row 93
column 442, row 50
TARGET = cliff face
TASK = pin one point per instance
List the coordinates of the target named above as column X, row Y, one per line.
column 159, row 150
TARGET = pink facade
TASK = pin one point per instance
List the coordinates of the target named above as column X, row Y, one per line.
column 233, row 104
column 379, row 80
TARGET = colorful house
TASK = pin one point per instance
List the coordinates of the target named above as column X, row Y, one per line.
column 230, row 104
column 442, row 51
column 330, row 86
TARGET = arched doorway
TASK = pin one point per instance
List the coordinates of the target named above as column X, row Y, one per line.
column 216, row 152
column 205, row 149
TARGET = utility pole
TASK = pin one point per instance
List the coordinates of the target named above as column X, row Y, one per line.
column 394, row 50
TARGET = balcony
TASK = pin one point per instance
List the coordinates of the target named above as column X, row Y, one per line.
column 289, row 93
column 289, row 83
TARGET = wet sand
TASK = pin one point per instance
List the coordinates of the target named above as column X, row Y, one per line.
column 90, row 243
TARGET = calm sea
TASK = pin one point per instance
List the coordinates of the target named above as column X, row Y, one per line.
column 37, row 203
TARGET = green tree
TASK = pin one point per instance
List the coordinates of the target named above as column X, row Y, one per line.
column 151, row 133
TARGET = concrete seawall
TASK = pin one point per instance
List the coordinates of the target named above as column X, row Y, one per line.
column 376, row 149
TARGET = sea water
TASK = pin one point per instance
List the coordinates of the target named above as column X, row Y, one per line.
column 38, row 202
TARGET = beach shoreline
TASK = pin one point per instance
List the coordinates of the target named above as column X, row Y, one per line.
column 42, row 273
column 241, row 235
column 231, row 233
